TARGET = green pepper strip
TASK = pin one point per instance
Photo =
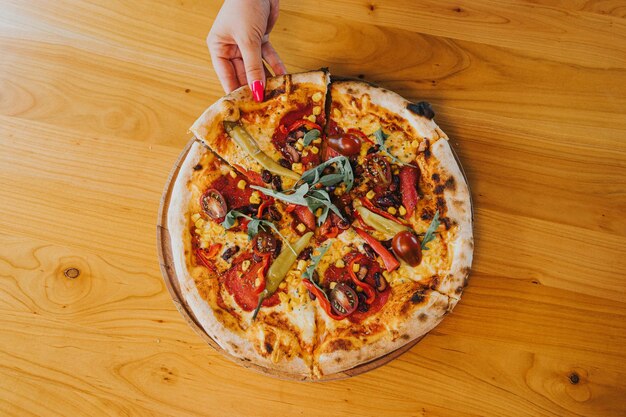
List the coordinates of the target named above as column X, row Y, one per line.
column 380, row 223
column 243, row 139
column 279, row 268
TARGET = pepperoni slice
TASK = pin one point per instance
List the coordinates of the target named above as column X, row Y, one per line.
column 240, row 283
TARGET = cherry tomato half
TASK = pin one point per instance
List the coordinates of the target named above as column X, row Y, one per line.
column 407, row 247
column 377, row 167
column 213, row 204
column 264, row 242
column 346, row 144
column 343, row 299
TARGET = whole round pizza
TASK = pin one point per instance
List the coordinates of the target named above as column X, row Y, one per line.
column 322, row 228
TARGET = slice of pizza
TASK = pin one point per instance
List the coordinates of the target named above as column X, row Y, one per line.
column 275, row 141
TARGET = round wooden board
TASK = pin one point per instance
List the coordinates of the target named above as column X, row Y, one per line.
column 171, row 281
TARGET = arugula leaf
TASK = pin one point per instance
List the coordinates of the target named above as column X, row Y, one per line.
column 315, row 260
column 314, row 175
column 430, row 232
column 297, row 197
column 310, row 136
column 381, row 137
column 253, row 226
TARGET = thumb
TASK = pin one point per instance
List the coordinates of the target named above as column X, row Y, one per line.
column 251, row 54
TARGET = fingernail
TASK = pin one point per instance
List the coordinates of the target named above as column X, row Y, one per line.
column 257, row 90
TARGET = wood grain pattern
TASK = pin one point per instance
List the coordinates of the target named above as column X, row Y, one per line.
column 95, row 100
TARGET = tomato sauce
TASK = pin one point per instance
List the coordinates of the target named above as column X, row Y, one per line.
column 279, row 139
column 234, row 196
column 241, row 284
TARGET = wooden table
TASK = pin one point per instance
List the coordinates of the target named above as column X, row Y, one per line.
column 95, row 101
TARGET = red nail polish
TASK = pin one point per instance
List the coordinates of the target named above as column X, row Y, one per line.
column 257, row 90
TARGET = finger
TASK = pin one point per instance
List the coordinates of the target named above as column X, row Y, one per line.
column 240, row 70
column 251, row 54
column 226, row 73
column 272, row 58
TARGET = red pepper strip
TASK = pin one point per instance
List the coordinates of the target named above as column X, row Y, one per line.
column 305, row 216
column 360, row 134
column 261, row 208
column 321, row 297
column 262, row 272
column 371, row 294
column 290, row 207
column 389, row 260
column 369, row 205
column 204, row 261
column 328, row 229
column 408, row 186
column 214, row 249
column 282, row 129
column 364, row 225
column 303, row 122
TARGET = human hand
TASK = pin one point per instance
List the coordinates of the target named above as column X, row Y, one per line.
column 238, row 41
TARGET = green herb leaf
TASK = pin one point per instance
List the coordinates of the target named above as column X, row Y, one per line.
column 430, row 232
column 253, row 225
column 310, row 136
column 381, row 137
column 315, row 260
column 290, row 196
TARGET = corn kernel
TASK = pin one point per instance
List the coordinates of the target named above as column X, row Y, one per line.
column 415, row 144
column 338, row 191
column 232, row 173
column 300, row 141
column 318, row 212
column 312, row 118
column 198, row 231
column 301, row 264
column 392, row 210
column 356, row 267
column 305, row 153
column 199, row 223
column 370, row 194
column 299, row 146
column 317, row 96
column 257, row 282
column 282, row 285
column 241, row 185
column 283, row 97
column 332, row 285
column 204, row 244
column 315, row 150
column 301, row 228
column 317, row 110
column 195, row 217
column 359, row 289
column 284, row 298
column 336, row 112
column 255, row 198
column 245, row 265
column 317, row 141
column 297, row 167
column 396, row 171
column 340, row 263
column 402, row 210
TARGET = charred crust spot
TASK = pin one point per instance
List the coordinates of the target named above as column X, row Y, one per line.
column 459, row 289
column 422, row 317
column 269, row 348
column 197, row 167
column 350, row 90
column 421, row 109
column 439, row 189
column 427, row 153
column 417, row 297
column 337, row 359
column 434, row 282
column 465, row 270
column 427, row 214
column 441, row 204
column 274, row 93
column 450, row 183
column 405, row 337
column 446, row 222
column 435, row 177
column 339, row 344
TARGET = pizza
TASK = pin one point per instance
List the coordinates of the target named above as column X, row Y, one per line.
column 322, row 228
